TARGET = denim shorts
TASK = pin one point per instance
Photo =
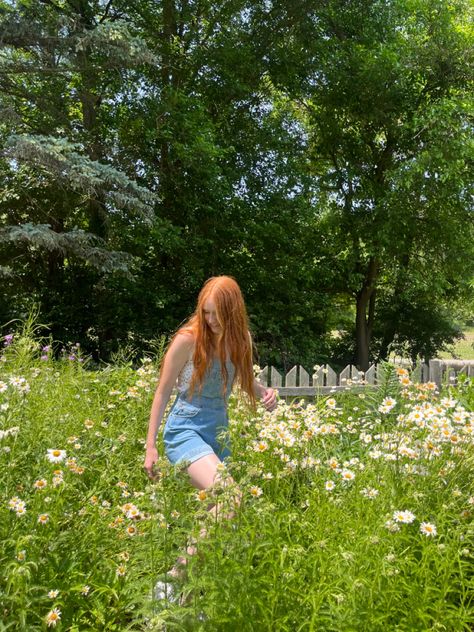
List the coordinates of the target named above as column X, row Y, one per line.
column 192, row 428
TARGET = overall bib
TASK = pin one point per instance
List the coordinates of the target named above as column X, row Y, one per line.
column 194, row 422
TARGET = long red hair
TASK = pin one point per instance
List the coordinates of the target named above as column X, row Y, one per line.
column 233, row 342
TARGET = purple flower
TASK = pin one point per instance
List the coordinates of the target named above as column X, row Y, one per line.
column 44, row 357
column 46, row 349
column 8, row 340
column 72, row 357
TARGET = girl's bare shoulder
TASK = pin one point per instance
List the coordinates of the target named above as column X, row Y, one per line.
column 184, row 339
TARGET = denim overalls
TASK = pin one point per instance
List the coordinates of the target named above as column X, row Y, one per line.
column 193, row 423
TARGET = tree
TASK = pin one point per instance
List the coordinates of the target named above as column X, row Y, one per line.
column 315, row 150
column 66, row 199
column 384, row 90
column 229, row 165
column 172, row 96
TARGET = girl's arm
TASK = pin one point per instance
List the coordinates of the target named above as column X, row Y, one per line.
column 266, row 394
column 176, row 357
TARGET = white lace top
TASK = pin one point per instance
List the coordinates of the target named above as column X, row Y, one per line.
column 185, row 375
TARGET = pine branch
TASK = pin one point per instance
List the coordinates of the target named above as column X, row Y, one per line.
column 111, row 38
column 63, row 161
column 76, row 243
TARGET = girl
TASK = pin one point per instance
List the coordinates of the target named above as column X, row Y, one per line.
column 210, row 353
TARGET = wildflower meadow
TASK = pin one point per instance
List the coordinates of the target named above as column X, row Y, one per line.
column 356, row 510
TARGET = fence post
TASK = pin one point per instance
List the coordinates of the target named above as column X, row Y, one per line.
column 436, row 372
column 331, row 376
column 369, row 376
column 304, row 377
column 290, row 379
column 318, row 377
column 263, row 376
column 345, row 375
column 275, row 377
column 425, row 372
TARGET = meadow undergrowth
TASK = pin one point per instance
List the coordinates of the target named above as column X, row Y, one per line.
column 356, row 511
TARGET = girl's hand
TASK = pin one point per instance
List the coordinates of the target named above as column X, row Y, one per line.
column 269, row 398
column 151, row 458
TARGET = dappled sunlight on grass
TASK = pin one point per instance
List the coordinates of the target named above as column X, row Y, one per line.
column 463, row 349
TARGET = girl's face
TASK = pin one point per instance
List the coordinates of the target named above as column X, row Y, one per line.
column 210, row 315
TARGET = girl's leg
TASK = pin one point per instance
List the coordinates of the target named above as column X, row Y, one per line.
column 203, row 472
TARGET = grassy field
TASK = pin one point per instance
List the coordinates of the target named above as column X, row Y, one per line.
column 463, row 349
column 356, row 513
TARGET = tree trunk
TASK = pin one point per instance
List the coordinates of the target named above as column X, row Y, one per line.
column 168, row 80
column 390, row 326
column 90, row 98
column 90, row 103
column 365, row 309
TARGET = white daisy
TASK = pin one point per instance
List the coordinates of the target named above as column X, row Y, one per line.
column 56, row 456
column 407, row 517
column 53, row 617
column 428, row 529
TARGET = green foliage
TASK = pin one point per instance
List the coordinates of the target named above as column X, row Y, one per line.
column 387, row 118
column 321, row 540
column 320, row 153
column 62, row 161
column 421, row 329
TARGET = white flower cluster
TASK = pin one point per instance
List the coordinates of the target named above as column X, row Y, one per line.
column 10, row 432
column 20, row 384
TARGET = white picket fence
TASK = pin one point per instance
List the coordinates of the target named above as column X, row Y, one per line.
column 298, row 382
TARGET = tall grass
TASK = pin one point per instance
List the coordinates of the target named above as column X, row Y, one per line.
column 356, row 514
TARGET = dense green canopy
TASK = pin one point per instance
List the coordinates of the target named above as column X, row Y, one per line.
column 320, row 152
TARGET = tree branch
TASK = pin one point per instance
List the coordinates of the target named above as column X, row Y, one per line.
column 55, row 6
column 106, row 12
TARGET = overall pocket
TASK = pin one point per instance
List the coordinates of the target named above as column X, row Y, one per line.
column 184, row 409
